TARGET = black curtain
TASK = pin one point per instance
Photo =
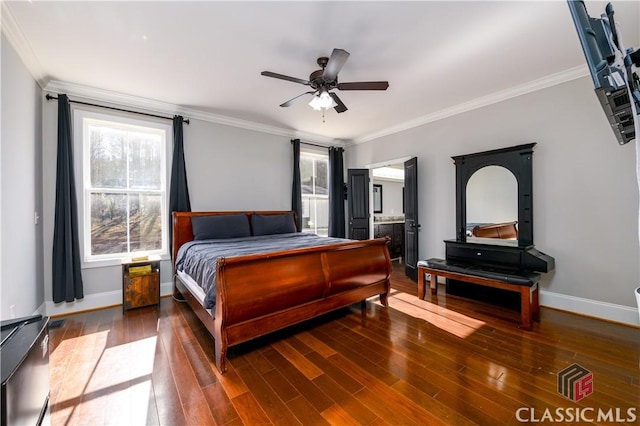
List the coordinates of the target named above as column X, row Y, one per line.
column 296, row 190
column 179, row 191
column 67, row 276
column 336, row 193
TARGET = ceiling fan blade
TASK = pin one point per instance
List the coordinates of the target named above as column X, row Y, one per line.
column 285, row 77
column 293, row 100
column 364, row 85
column 336, row 61
column 340, row 107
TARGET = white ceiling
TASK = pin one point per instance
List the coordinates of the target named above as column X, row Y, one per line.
column 206, row 56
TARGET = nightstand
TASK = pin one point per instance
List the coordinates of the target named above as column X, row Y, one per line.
column 140, row 282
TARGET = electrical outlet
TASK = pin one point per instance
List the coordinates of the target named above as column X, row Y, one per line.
column 12, row 311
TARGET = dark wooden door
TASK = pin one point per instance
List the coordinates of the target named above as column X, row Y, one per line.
column 358, row 203
column 411, row 225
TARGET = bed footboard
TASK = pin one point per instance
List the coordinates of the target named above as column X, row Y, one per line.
column 259, row 294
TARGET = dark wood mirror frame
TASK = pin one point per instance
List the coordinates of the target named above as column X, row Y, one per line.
column 377, row 198
column 518, row 160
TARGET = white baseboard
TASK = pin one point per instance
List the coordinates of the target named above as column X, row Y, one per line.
column 42, row 310
column 581, row 306
column 592, row 308
column 93, row 301
column 578, row 305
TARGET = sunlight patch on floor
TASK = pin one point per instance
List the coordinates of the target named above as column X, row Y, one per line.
column 103, row 384
column 450, row 321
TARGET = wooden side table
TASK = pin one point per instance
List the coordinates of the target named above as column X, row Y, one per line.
column 140, row 289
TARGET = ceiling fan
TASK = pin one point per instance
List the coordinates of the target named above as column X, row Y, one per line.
column 326, row 79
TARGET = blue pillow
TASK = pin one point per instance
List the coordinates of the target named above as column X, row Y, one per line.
column 273, row 224
column 220, row 226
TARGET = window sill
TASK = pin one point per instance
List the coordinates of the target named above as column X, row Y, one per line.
column 105, row 263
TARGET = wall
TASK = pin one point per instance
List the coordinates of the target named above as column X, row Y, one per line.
column 228, row 168
column 21, row 189
column 234, row 169
column 585, row 191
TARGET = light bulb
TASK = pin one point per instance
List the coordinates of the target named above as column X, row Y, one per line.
column 316, row 103
column 326, row 101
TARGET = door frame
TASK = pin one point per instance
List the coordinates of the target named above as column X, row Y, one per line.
column 377, row 165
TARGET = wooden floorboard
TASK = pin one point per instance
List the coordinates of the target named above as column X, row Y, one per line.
column 445, row 360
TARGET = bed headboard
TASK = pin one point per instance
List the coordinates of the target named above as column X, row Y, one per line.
column 183, row 232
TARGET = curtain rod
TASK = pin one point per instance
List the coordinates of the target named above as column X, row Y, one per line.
column 313, row 144
column 49, row 98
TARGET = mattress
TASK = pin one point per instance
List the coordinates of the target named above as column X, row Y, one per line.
column 197, row 259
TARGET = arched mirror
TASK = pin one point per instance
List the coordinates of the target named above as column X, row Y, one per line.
column 492, row 204
column 494, row 196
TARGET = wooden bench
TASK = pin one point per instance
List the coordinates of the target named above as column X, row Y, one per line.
column 523, row 282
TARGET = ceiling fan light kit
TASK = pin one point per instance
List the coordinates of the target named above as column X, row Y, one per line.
column 324, row 101
column 326, row 79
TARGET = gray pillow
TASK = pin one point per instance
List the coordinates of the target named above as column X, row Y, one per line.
column 220, row 226
column 272, row 224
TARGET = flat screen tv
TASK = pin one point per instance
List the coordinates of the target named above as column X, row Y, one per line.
column 613, row 69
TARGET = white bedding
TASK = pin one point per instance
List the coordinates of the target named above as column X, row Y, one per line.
column 192, row 286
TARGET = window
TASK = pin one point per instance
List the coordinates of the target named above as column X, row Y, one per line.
column 124, row 197
column 314, row 178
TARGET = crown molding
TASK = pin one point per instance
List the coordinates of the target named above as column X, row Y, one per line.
column 158, row 107
column 14, row 35
column 16, row 38
column 155, row 106
column 532, row 86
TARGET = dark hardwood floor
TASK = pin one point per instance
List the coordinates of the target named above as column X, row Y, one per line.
column 446, row 360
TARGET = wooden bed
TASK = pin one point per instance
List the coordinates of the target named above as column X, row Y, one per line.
column 505, row 231
column 261, row 293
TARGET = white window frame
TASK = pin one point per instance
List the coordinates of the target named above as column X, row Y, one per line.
column 316, row 155
column 81, row 160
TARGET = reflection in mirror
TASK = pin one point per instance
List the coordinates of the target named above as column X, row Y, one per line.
column 492, row 204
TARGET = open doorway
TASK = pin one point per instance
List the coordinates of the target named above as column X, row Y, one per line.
column 388, row 206
column 390, row 190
